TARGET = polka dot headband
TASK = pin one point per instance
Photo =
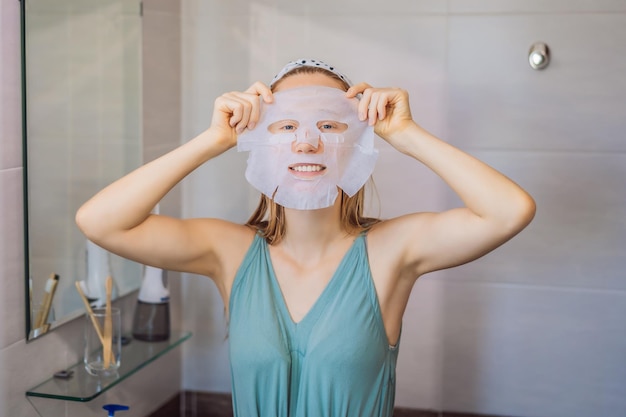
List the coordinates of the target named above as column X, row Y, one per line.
column 315, row 63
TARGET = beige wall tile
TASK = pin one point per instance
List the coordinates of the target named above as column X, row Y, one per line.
column 535, row 6
column 498, row 101
column 10, row 86
column 532, row 351
column 12, row 313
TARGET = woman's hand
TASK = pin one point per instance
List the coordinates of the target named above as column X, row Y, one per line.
column 235, row 111
column 387, row 109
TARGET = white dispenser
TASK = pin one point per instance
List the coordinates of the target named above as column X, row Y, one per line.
column 98, row 269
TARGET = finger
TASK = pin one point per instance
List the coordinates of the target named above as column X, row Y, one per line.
column 236, row 113
column 239, row 108
column 365, row 103
column 252, row 108
column 357, row 89
column 262, row 90
column 255, row 90
column 246, row 111
column 255, row 113
column 381, row 107
column 372, row 110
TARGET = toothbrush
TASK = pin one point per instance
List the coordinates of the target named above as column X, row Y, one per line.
column 51, row 286
column 94, row 321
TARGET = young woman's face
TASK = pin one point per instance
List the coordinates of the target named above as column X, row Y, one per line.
column 307, row 143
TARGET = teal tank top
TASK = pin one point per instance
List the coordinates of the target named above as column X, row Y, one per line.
column 335, row 362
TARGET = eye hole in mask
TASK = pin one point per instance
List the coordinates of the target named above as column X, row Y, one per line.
column 323, row 126
column 289, row 131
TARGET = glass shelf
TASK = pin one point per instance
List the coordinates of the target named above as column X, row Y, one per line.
column 83, row 387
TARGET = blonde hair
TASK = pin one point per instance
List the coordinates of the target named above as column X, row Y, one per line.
column 269, row 218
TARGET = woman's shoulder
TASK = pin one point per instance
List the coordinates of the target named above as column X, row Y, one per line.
column 396, row 229
column 390, row 241
column 229, row 235
column 229, row 243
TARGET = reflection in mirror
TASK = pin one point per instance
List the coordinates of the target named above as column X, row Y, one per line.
column 82, row 130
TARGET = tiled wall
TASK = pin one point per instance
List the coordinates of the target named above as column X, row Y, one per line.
column 23, row 365
column 535, row 328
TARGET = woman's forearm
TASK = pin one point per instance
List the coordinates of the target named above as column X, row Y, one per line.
column 128, row 201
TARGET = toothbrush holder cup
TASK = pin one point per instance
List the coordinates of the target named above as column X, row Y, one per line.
column 103, row 342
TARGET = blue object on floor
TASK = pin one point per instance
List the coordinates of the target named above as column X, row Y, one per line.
column 112, row 408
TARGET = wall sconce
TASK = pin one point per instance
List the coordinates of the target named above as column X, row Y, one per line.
column 539, row 56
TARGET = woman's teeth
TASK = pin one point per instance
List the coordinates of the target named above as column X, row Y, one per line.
column 307, row 168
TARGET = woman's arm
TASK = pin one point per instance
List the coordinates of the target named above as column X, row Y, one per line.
column 118, row 217
column 495, row 207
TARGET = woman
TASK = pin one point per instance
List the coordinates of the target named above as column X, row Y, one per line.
column 315, row 297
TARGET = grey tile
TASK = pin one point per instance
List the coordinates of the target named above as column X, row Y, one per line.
column 161, row 79
column 361, row 8
column 418, row 381
column 535, row 6
column 522, row 351
column 162, row 6
column 10, row 87
column 578, row 234
column 576, row 103
column 12, row 297
column 82, row 7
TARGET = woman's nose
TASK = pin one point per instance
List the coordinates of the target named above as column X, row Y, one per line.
column 310, row 143
column 304, row 147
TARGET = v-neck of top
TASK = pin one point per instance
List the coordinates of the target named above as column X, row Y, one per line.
column 322, row 300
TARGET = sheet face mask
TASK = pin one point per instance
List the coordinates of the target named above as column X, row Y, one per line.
column 341, row 152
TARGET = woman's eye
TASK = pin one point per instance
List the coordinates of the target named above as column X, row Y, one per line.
column 282, row 126
column 331, row 126
column 326, row 126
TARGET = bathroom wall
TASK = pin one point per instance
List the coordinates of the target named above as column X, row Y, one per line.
column 535, row 328
column 24, row 365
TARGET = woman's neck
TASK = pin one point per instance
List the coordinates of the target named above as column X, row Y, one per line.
column 310, row 233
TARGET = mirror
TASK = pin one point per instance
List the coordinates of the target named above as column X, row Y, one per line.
column 82, row 130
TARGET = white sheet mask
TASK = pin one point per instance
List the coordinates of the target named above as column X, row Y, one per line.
column 308, row 142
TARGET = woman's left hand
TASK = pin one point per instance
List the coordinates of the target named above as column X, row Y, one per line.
column 387, row 109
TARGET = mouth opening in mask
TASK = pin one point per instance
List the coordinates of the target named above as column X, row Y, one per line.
column 307, row 171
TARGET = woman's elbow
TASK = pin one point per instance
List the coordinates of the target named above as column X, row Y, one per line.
column 87, row 223
column 523, row 213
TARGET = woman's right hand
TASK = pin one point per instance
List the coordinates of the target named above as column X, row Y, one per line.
column 235, row 111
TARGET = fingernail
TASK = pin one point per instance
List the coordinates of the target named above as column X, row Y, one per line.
column 251, row 125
